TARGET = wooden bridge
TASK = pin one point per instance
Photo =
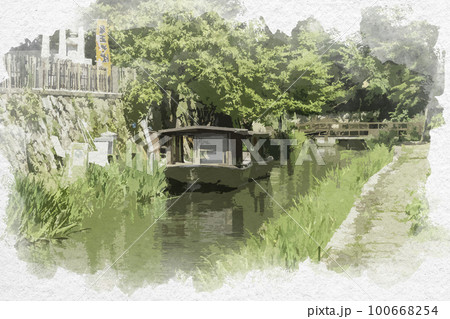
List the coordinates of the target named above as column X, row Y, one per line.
column 358, row 130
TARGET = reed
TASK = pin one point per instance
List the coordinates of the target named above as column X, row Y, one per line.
column 293, row 237
column 44, row 207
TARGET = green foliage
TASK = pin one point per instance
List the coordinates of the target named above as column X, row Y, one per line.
column 436, row 121
column 408, row 93
column 120, row 185
column 287, row 240
column 409, row 49
column 38, row 211
column 116, row 123
column 387, row 138
column 138, row 98
column 417, row 212
column 95, row 124
column 299, row 136
column 56, row 128
column 147, row 13
column 414, row 135
column 46, row 207
column 246, row 72
column 395, row 91
column 296, row 149
column 229, row 68
column 27, row 110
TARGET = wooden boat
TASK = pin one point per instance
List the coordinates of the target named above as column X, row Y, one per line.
column 212, row 155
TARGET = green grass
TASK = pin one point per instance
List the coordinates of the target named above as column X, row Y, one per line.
column 417, row 212
column 45, row 207
column 280, row 241
column 37, row 212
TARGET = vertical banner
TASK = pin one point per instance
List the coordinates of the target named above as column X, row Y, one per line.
column 102, row 46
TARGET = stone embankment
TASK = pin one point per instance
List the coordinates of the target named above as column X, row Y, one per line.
column 28, row 120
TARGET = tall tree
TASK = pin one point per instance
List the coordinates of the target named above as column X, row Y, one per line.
column 209, row 70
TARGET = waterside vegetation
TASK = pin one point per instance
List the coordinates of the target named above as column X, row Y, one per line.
column 302, row 231
column 46, row 207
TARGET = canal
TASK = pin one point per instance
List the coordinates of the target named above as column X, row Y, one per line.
column 191, row 227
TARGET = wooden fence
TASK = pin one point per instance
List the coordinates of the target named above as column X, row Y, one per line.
column 56, row 74
column 358, row 129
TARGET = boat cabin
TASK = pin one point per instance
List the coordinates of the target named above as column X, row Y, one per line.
column 208, row 145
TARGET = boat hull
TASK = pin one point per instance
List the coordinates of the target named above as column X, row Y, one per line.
column 221, row 176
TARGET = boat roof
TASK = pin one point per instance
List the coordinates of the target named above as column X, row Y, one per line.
column 211, row 129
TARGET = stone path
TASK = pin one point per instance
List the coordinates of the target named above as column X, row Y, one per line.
column 375, row 239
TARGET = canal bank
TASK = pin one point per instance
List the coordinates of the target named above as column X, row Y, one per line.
column 379, row 237
column 192, row 227
column 311, row 281
column 302, row 230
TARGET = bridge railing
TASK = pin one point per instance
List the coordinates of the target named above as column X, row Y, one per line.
column 358, row 128
column 58, row 74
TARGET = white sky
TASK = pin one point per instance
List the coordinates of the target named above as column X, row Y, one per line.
column 20, row 19
column 343, row 15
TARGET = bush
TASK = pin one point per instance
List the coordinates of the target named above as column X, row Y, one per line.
column 414, row 135
column 37, row 212
column 436, row 121
column 46, row 207
column 388, row 138
column 417, row 212
column 27, row 111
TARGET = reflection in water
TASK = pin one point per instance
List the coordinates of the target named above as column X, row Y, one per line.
column 184, row 234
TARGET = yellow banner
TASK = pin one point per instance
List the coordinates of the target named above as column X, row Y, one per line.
column 102, row 46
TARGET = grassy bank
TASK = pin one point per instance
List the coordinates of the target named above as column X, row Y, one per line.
column 44, row 207
column 281, row 241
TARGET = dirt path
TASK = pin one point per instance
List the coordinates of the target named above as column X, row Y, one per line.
column 375, row 239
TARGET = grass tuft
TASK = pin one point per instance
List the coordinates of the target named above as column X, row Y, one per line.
column 280, row 242
column 44, row 207
column 417, row 212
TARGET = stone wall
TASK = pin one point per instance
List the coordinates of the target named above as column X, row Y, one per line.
column 28, row 120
